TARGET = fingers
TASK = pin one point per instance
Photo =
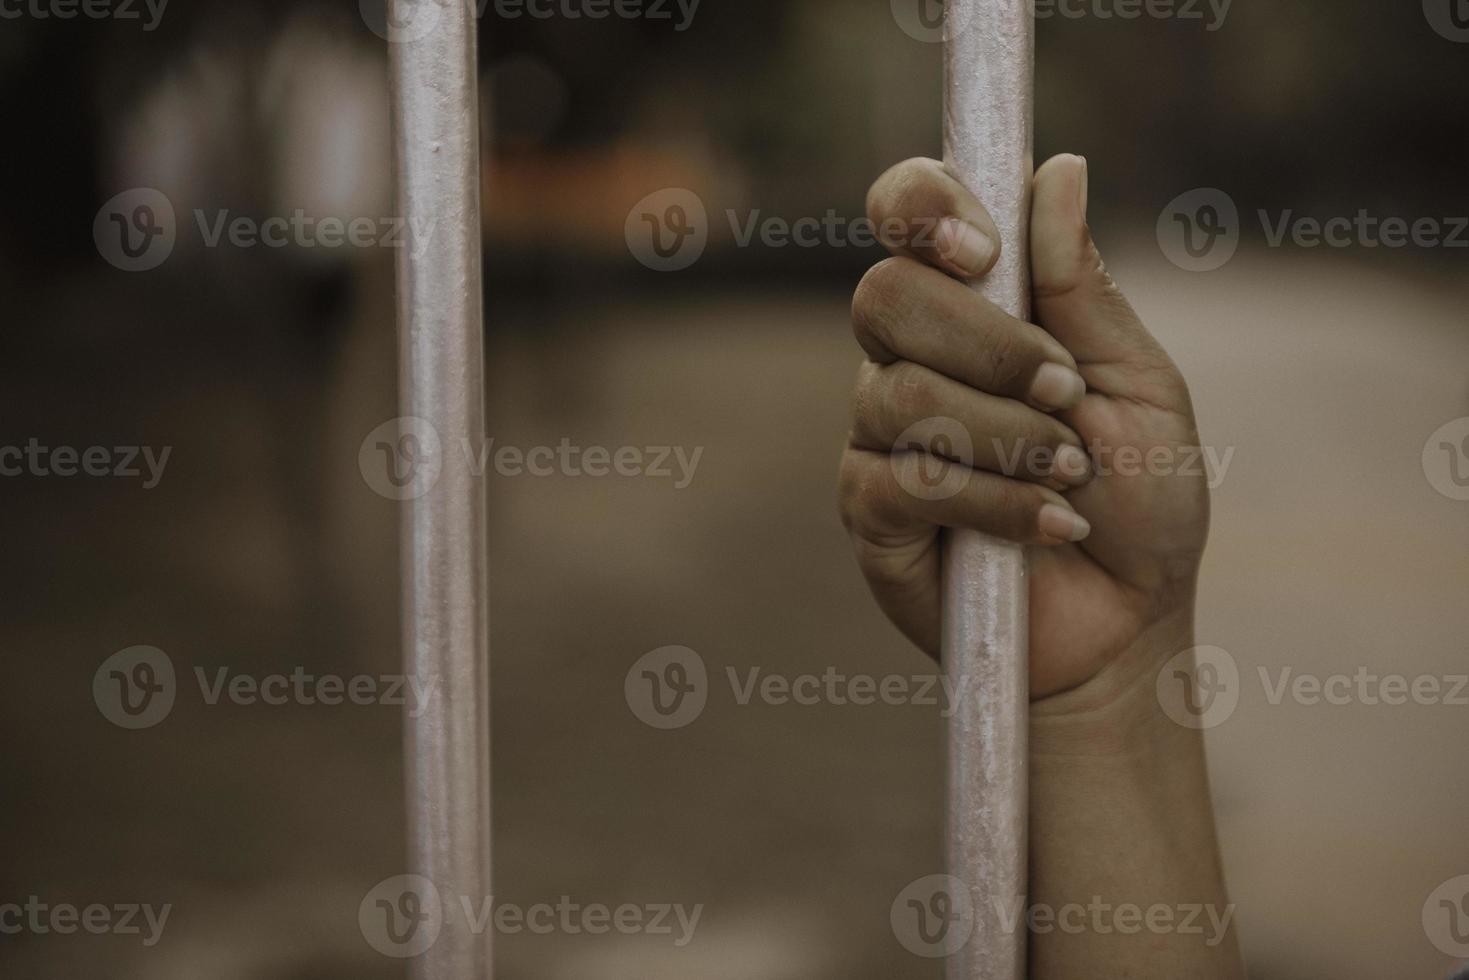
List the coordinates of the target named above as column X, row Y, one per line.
column 1077, row 301
column 921, row 211
column 894, row 497
column 903, row 310
column 903, row 406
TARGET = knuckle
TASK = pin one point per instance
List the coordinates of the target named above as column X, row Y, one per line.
column 1049, row 435
column 849, row 489
column 1016, row 507
column 1009, row 360
column 919, row 190
column 867, row 400
column 911, row 392
column 874, row 303
column 861, row 488
column 895, row 191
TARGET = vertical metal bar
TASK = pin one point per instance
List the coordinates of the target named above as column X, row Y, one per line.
column 441, row 381
column 989, row 68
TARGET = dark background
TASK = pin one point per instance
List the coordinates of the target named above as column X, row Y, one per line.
column 263, row 549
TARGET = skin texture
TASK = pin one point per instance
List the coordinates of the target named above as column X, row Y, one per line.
column 1120, row 799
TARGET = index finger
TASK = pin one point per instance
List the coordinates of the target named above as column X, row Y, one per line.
column 921, row 210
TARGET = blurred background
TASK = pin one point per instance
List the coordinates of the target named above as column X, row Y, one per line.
column 1338, row 374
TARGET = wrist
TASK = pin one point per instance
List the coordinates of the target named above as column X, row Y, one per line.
column 1116, row 712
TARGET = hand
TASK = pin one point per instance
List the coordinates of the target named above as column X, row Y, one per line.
column 1103, row 484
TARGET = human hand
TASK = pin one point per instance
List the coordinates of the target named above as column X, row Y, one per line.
column 1079, row 427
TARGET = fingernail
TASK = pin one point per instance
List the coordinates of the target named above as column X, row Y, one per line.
column 1063, row 523
column 1057, row 386
column 1081, row 195
column 1072, row 466
column 964, row 245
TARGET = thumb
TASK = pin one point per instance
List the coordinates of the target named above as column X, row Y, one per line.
column 1077, row 301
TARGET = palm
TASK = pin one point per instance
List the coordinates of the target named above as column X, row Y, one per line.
column 1091, row 600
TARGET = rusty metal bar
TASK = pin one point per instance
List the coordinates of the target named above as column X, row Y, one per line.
column 988, row 106
column 441, row 382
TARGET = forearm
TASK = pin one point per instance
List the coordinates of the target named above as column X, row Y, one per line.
column 1125, row 875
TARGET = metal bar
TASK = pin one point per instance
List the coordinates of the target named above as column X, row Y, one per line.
column 988, row 89
column 441, row 382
